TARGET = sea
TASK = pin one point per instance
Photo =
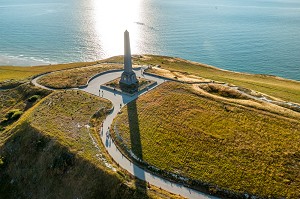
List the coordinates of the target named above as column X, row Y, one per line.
column 253, row 36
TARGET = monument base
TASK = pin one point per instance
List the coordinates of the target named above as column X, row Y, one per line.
column 128, row 78
column 128, row 82
column 115, row 86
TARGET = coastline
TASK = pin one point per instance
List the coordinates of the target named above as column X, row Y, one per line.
column 21, row 60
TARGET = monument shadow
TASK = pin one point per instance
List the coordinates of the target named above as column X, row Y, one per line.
column 136, row 144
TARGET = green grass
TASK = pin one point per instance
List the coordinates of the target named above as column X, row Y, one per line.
column 75, row 77
column 278, row 87
column 234, row 147
column 18, row 73
column 65, row 116
column 20, row 98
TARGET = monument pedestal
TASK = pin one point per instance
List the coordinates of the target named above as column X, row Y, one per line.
column 128, row 82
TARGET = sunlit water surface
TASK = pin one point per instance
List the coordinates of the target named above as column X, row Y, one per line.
column 256, row 36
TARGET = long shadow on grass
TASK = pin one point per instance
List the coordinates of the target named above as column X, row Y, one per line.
column 136, row 145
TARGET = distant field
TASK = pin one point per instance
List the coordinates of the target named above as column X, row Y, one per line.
column 75, row 77
column 231, row 146
column 20, row 73
column 281, row 88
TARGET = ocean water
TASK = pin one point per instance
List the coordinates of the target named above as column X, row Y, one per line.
column 254, row 36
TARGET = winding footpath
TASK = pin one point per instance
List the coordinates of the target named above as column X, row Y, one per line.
column 119, row 100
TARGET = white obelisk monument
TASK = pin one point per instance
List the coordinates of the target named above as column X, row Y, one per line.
column 128, row 77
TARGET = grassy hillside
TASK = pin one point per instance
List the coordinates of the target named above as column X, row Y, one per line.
column 18, row 100
column 54, row 151
column 281, row 88
column 210, row 140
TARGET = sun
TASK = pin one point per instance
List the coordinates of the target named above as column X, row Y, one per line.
column 112, row 18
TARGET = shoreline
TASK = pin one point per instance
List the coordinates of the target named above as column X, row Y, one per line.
column 21, row 61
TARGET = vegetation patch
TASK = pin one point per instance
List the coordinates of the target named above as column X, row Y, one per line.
column 224, row 91
column 214, row 142
column 7, row 84
column 74, row 77
column 13, row 114
column 14, row 102
column 33, row 98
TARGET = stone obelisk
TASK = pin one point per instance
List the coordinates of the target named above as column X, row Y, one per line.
column 128, row 78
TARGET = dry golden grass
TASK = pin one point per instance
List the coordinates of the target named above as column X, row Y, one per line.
column 75, row 77
column 235, row 147
column 223, row 91
column 256, row 104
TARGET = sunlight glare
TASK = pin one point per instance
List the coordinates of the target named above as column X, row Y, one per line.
column 112, row 18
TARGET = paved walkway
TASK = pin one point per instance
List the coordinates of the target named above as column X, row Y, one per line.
column 118, row 98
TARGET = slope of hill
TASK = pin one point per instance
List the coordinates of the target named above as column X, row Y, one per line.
column 54, row 151
column 210, row 140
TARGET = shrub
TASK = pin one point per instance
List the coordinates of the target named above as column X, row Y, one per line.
column 16, row 115
column 33, row 98
column 13, row 114
column 1, row 161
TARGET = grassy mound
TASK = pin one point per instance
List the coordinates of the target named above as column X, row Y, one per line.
column 75, row 77
column 54, row 151
column 230, row 146
column 223, row 91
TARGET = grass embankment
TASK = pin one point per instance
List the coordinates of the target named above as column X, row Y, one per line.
column 50, row 153
column 230, row 146
column 278, row 87
column 75, row 77
column 14, row 75
column 18, row 100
